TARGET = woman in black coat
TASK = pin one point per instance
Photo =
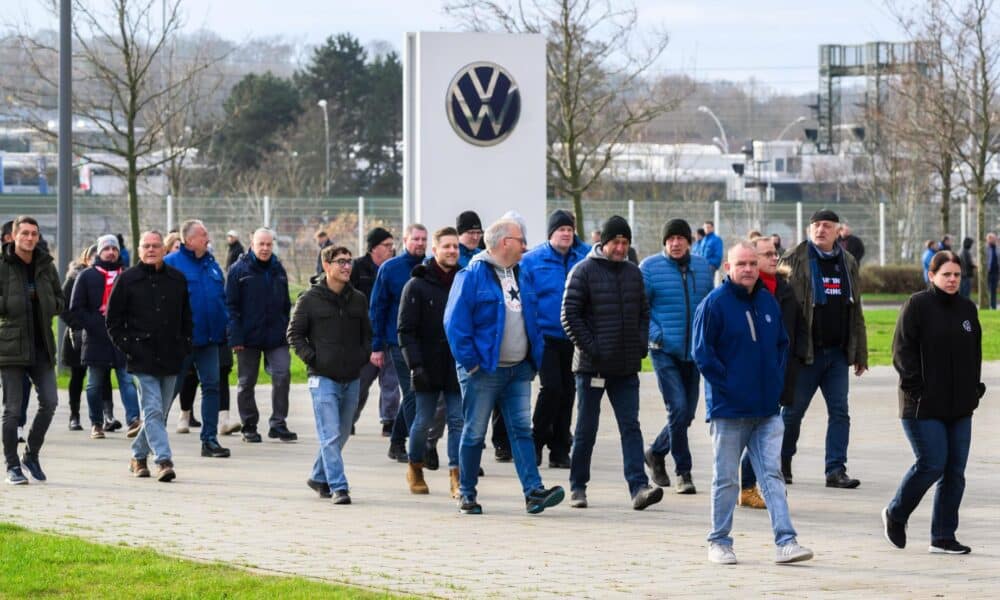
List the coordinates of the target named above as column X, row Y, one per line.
column 937, row 351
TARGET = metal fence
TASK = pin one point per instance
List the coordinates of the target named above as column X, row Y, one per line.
column 891, row 234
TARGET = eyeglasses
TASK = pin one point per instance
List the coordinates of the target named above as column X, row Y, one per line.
column 523, row 241
column 147, row 246
column 474, row 231
column 342, row 262
column 387, row 244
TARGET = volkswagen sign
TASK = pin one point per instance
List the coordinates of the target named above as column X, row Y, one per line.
column 483, row 103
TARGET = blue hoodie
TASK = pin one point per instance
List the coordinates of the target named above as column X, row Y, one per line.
column 206, row 289
column 383, row 306
column 548, row 270
column 740, row 347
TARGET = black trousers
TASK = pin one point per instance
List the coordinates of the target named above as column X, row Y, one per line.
column 554, row 406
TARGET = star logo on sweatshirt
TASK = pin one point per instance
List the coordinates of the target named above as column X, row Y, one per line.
column 515, row 295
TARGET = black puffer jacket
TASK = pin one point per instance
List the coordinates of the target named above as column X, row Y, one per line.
column 149, row 319
column 331, row 332
column 72, row 340
column 605, row 313
column 363, row 275
column 421, row 330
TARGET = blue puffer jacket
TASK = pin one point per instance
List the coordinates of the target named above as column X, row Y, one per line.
column 710, row 247
column 740, row 347
column 547, row 270
column 465, row 255
column 475, row 314
column 258, row 303
column 206, row 289
column 673, row 295
column 383, row 307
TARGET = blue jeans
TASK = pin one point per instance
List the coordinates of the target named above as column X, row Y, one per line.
column 509, row 389
column 408, row 403
column 678, row 381
column 828, row 373
column 941, row 449
column 426, row 406
column 991, row 283
column 156, row 394
column 95, row 393
column 206, row 363
column 334, row 404
column 762, row 437
column 623, row 393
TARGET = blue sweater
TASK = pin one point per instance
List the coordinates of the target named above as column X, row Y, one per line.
column 740, row 347
column 710, row 247
column 206, row 289
column 258, row 302
column 673, row 297
column 383, row 307
column 548, row 270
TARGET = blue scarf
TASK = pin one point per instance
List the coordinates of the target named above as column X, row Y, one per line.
column 819, row 291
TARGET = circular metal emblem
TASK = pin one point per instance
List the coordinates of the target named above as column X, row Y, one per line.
column 483, row 103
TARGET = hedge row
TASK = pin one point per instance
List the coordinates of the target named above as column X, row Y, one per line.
column 892, row 279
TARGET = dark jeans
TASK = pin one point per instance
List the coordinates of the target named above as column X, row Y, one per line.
column 828, row 373
column 942, row 450
column 992, row 281
column 99, row 380
column 189, row 387
column 623, row 393
column 206, row 361
column 277, row 362
column 43, row 376
column 554, row 407
column 678, row 381
column 408, row 404
column 25, row 398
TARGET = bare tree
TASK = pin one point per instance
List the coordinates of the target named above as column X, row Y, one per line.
column 599, row 91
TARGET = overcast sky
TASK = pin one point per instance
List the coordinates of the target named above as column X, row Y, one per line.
column 774, row 41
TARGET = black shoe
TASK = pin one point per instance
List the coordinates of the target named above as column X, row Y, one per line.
column 646, row 497
column 74, row 423
column 894, row 531
column 482, row 473
column 786, row 470
column 397, row 452
column 16, row 477
column 948, row 547
column 469, row 506
column 558, row 461
column 214, row 450
column 431, row 460
column 341, row 497
column 353, row 430
column 34, row 467
column 542, row 498
column 282, row 433
column 841, row 480
column 503, row 455
column 112, row 425
column 320, row 487
column 387, row 429
column 194, row 423
column 658, row 465
column 251, row 436
column 538, row 456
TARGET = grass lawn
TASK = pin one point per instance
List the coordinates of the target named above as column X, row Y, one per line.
column 41, row 564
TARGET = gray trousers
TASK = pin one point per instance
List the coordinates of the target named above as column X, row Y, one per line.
column 277, row 362
column 388, row 384
column 43, row 375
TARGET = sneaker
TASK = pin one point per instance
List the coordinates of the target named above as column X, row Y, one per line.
column 97, row 432
column 721, row 554
column 542, row 498
column 20, row 435
column 138, row 467
column 503, row 455
column 792, row 552
column 558, row 461
column 646, row 497
column 578, row 499
column 467, row 505
column 658, row 466
column 74, row 424
column 320, row 487
column 251, row 436
column 133, row 428
column 397, row 452
column 112, row 425
column 387, row 429
column 34, row 467
column 282, row 433
column 684, row 484
column 786, row 470
column 230, row 428
column 212, row 449
column 751, row 498
column 166, row 472
column 341, row 497
column 841, row 480
column 894, row 531
column 948, row 547
column 16, row 477
column 431, row 460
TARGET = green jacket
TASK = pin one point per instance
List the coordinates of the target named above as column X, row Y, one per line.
column 796, row 261
column 17, row 333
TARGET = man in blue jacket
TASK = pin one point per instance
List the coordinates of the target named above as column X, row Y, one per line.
column 740, row 346
column 491, row 321
column 208, row 310
column 470, row 236
column 548, row 265
column 258, row 303
column 710, row 247
column 384, row 313
column 676, row 283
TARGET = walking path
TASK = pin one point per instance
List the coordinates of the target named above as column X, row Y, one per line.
column 254, row 510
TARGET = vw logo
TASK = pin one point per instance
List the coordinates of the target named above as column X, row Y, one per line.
column 483, row 103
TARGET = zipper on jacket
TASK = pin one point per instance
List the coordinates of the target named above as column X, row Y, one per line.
column 687, row 313
column 753, row 328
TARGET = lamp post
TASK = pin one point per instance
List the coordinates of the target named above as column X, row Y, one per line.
column 789, row 126
column 722, row 132
column 326, row 128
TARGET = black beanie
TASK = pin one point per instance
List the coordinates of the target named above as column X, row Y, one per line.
column 824, row 214
column 614, row 227
column 560, row 218
column 676, row 227
column 468, row 220
column 377, row 236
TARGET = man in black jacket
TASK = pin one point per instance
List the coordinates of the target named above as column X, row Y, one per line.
column 149, row 319
column 605, row 313
column 332, row 334
column 851, row 243
column 235, row 248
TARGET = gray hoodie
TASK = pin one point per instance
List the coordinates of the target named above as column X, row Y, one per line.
column 514, row 344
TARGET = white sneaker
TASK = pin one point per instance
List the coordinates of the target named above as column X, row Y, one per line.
column 721, row 554
column 20, row 435
column 184, row 422
column 225, row 428
column 792, row 552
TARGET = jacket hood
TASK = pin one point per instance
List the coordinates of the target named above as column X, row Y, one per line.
column 487, row 258
column 109, row 265
column 320, row 288
column 741, row 292
column 38, row 256
column 190, row 254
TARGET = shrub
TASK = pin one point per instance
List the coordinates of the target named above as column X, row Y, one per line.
column 892, row 279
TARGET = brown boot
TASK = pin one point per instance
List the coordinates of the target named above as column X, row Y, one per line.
column 453, row 477
column 751, row 498
column 138, row 467
column 166, row 472
column 415, row 477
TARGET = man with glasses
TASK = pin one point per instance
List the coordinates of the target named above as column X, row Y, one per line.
column 470, row 236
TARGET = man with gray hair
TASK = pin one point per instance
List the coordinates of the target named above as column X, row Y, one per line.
column 491, row 323
column 259, row 308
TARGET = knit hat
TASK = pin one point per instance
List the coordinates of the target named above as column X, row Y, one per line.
column 676, row 227
column 614, row 227
column 107, row 241
column 560, row 218
column 824, row 214
column 468, row 220
column 377, row 236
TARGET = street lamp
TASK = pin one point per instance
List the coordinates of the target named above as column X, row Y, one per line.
column 326, row 128
column 789, row 126
column 722, row 132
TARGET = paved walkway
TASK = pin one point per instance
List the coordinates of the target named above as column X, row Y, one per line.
column 254, row 510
